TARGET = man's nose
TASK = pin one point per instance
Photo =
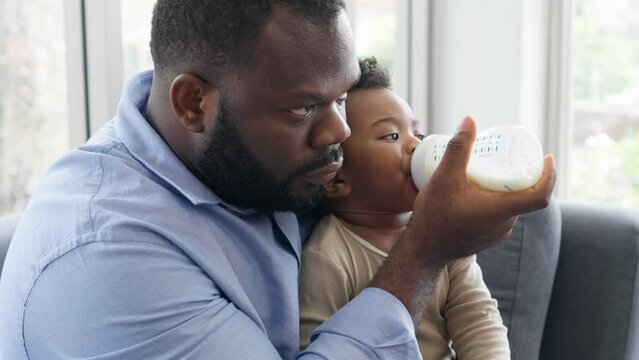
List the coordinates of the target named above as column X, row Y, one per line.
column 330, row 129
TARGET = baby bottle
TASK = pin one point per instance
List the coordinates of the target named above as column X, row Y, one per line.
column 503, row 158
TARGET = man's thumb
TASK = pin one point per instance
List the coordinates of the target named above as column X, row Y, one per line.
column 455, row 160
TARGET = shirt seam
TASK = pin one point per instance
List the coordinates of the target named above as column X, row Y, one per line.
column 335, row 333
column 360, row 240
column 91, row 225
column 97, row 189
column 368, row 246
column 41, row 271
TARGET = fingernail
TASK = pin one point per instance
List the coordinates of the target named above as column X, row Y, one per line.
column 465, row 124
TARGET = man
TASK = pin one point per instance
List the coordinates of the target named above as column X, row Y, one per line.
column 172, row 233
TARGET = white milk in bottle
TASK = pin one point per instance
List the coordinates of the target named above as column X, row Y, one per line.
column 503, row 158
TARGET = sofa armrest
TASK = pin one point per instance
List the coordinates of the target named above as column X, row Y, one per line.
column 593, row 312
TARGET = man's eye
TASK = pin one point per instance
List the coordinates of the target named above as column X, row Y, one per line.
column 303, row 111
column 393, row 137
column 341, row 100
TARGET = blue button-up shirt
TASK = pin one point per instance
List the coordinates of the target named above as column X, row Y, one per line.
column 122, row 253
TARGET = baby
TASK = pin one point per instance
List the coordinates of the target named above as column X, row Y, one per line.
column 369, row 204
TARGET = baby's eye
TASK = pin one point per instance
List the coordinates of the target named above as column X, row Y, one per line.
column 303, row 111
column 420, row 136
column 392, row 137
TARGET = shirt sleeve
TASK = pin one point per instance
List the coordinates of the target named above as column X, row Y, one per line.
column 472, row 318
column 141, row 300
column 135, row 300
column 374, row 325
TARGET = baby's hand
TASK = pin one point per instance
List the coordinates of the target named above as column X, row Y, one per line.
column 453, row 218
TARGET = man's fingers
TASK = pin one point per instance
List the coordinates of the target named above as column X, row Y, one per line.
column 546, row 182
column 455, row 160
column 548, row 176
column 538, row 196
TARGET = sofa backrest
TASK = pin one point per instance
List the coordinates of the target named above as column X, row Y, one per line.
column 594, row 308
column 519, row 273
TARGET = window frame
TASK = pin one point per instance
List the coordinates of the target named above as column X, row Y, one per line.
column 557, row 135
column 76, row 72
column 94, row 44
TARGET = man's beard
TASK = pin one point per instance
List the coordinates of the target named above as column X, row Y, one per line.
column 230, row 169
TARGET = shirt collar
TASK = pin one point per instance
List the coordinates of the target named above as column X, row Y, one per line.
column 149, row 148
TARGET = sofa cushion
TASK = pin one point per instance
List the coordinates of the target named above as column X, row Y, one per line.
column 594, row 306
column 520, row 272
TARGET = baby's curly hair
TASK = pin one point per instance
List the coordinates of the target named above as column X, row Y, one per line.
column 373, row 75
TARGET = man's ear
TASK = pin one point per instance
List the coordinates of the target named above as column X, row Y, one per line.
column 191, row 99
column 339, row 187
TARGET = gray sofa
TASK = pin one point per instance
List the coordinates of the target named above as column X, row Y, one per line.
column 565, row 282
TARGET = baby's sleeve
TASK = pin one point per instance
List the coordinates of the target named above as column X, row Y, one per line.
column 323, row 289
column 472, row 318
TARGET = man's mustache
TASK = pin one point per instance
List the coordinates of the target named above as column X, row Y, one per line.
column 332, row 154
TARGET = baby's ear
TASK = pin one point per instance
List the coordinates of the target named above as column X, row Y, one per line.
column 338, row 187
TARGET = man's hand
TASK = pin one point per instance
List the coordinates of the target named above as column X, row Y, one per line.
column 453, row 218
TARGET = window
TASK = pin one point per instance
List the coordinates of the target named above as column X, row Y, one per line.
column 34, row 125
column 384, row 29
column 375, row 25
column 604, row 158
column 136, row 34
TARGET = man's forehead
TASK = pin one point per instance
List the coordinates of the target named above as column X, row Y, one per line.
column 286, row 24
column 295, row 50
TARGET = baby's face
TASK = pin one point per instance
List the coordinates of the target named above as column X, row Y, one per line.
column 377, row 154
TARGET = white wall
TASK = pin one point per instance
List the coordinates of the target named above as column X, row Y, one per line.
column 487, row 59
